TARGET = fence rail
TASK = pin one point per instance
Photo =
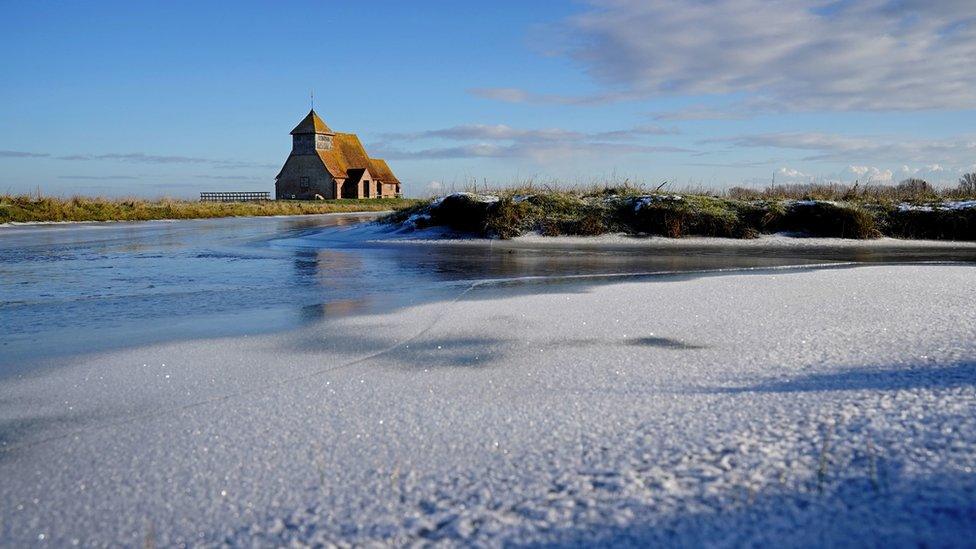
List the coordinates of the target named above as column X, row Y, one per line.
column 235, row 196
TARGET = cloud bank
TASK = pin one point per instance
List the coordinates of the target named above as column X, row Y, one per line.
column 501, row 141
column 787, row 55
column 843, row 148
column 138, row 158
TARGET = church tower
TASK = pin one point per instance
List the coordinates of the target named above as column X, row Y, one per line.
column 311, row 135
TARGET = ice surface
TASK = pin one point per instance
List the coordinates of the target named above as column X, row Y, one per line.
column 95, row 287
column 810, row 407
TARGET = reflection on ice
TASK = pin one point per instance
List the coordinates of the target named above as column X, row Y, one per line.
column 90, row 287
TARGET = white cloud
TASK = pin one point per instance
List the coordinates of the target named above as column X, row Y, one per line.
column 543, row 145
column 543, row 152
column 700, row 112
column 497, row 132
column 860, row 149
column 22, row 154
column 508, row 95
column 516, row 95
column 139, row 158
column 872, row 174
column 791, row 173
column 98, row 177
column 501, row 132
column 637, row 131
column 784, row 55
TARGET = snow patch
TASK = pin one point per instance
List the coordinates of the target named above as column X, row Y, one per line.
column 808, row 203
column 955, row 205
column 482, row 198
column 642, row 202
column 416, row 221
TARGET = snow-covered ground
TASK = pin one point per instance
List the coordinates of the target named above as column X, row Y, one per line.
column 828, row 406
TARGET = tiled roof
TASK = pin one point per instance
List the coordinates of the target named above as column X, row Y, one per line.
column 346, row 153
column 382, row 171
column 311, row 124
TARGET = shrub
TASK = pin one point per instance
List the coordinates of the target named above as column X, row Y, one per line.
column 464, row 212
column 932, row 223
column 914, row 187
column 553, row 213
column 827, row 219
column 676, row 216
column 509, row 219
column 967, row 184
column 743, row 193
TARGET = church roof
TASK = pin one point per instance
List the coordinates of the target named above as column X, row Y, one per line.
column 347, row 158
column 382, row 171
column 346, row 153
column 311, row 124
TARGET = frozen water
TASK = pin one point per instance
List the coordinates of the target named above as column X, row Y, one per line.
column 92, row 287
column 506, row 401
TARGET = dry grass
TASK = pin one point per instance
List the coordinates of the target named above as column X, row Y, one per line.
column 35, row 208
column 910, row 190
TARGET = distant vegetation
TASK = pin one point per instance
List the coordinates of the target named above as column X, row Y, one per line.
column 913, row 209
column 33, row 208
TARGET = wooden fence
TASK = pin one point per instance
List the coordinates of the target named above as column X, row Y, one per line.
column 235, row 196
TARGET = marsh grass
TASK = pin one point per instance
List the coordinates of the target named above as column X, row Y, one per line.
column 933, row 225
column 827, row 219
column 36, row 208
column 812, row 210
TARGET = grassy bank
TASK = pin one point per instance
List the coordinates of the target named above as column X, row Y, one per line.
column 629, row 210
column 29, row 208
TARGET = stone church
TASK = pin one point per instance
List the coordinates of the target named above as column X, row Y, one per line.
column 326, row 165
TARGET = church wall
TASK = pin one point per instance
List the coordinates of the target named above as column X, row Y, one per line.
column 389, row 190
column 297, row 167
column 307, row 143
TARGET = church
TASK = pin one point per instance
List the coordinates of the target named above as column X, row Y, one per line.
column 325, row 165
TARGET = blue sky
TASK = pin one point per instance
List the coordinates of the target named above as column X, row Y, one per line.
column 172, row 98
